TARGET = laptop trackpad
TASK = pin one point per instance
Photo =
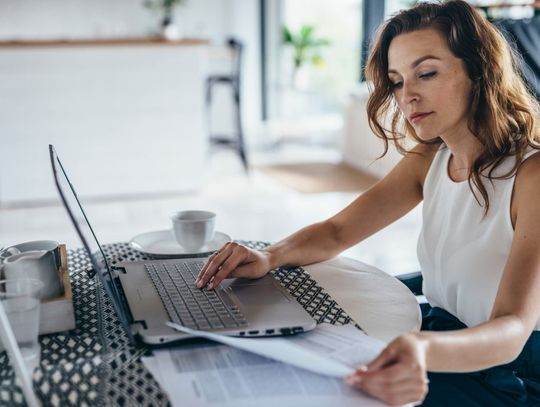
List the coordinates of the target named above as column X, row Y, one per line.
column 258, row 294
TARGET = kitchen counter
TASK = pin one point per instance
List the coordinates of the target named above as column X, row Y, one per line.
column 102, row 42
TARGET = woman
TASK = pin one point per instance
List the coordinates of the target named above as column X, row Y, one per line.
column 445, row 76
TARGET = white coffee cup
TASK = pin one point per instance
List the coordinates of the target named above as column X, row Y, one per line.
column 193, row 229
column 48, row 245
column 38, row 265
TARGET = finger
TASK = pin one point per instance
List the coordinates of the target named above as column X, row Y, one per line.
column 397, row 374
column 391, row 374
column 387, row 356
column 401, row 393
column 357, row 376
column 207, row 263
column 401, row 398
column 398, row 395
column 213, row 266
column 390, row 386
column 226, row 268
column 211, row 257
column 415, row 388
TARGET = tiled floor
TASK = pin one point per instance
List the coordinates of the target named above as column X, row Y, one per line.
column 250, row 206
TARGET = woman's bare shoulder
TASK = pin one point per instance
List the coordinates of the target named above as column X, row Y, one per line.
column 527, row 185
column 421, row 157
column 426, row 151
column 529, row 168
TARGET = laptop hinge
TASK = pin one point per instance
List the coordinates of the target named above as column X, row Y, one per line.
column 119, row 269
column 90, row 272
column 123, row 299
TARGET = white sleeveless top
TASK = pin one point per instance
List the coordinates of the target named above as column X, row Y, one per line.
column 462, row 254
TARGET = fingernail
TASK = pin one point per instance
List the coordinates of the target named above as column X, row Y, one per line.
column 353, row 380
column 199, row 284
column 210, row 285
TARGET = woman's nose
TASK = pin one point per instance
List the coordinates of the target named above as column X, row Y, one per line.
column 408, row 93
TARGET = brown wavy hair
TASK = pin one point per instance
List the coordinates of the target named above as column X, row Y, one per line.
column 502, row 109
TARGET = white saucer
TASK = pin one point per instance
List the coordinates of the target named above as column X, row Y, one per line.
column 161, row 243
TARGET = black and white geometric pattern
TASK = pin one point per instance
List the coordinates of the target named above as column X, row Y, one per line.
column 95, row 365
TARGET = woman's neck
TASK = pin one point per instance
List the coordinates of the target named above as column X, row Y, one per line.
column 465, row 149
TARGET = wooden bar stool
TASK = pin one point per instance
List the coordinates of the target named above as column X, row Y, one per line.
column 236, row 140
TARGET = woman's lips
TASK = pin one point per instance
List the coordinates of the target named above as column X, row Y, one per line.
column 417, row 117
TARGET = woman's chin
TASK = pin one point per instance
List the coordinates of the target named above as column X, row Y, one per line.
column 427, row 137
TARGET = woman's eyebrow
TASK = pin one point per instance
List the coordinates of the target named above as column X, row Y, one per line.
column 417, row 62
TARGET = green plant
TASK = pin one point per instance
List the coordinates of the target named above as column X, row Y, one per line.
column 305, row 44
column 166, row 6
column 163, row 4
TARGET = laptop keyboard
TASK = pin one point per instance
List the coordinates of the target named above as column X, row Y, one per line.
column 188, row 305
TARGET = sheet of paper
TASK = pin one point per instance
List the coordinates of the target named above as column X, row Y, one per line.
column 219, row 375
column 341, row 343
column 151, row 364
column 322, row 350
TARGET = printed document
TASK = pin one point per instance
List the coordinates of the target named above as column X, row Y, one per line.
column 220, row 375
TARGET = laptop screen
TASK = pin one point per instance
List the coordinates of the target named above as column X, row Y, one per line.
column 88, row 238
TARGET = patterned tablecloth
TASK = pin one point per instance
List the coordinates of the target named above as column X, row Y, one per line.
column 95, row 365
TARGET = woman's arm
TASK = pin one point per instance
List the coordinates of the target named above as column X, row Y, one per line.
column 400, row 370
column 388, row 200
column 392, row 197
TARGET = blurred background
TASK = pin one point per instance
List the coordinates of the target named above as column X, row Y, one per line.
column 254, row 109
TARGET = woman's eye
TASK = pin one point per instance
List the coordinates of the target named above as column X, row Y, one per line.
column 428, row 75
column 397, row 85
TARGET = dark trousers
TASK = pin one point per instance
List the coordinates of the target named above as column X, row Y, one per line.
column 514, row 384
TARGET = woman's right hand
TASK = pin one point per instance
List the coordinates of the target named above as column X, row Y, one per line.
column 233, row 260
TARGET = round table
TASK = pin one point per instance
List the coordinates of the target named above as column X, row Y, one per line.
column 381, row 304
column 95, row 364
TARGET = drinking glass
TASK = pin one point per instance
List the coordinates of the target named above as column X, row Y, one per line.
column 20, row 299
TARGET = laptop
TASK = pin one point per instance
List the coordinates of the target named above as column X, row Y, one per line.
column 147, row 294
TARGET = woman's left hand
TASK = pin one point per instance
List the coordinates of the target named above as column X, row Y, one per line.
column 398, row 375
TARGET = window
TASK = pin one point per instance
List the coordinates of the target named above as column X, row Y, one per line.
column 317, row 87
column 393, row 6
column 494, row 9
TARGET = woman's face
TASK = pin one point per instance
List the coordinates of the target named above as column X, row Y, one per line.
column 430, row 84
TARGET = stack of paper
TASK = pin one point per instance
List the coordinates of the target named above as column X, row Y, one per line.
column 303, row 370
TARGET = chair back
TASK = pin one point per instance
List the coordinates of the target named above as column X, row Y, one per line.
column 236, row 48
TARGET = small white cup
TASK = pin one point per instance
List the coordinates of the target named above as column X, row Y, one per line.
column 193, row 229
column 48, row 245
column 38, row 265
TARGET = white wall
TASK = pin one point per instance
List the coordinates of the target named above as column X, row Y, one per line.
column 214, row 20
column 211, row 19
column 37, row 19
column 122, row 123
